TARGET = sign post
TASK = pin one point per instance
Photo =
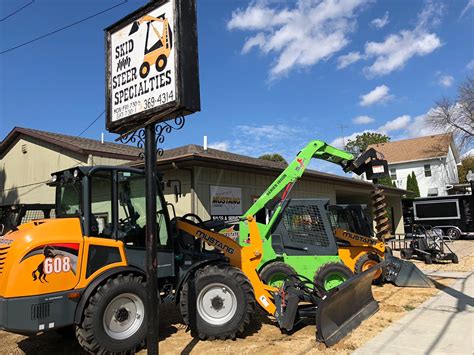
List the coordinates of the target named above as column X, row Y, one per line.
column 152, row 76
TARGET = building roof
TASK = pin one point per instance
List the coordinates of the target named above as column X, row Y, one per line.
column 414, row 149
column 76, row 144
column 193, row 153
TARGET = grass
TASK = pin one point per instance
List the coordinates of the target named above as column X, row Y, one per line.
column 409, row 308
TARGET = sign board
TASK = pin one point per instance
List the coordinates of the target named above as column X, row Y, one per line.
column 226, row 201
column 152, row 65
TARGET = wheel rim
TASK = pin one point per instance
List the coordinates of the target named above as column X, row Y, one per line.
column 371, row 263
column 453, row 233
column 216, row 304
column 277, row 279
column 334, row 279
column 123, row 316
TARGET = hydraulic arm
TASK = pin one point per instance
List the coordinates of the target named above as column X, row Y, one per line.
column 367, row 162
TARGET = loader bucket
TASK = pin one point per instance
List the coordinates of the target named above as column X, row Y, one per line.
column 404, row 273
column 135, row 27
column 346, row 307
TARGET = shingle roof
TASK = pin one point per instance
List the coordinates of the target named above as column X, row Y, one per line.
column 77, row 144
column 415, row 149
column 232, row 160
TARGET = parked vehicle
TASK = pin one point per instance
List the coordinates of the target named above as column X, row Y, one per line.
column 452, row 214
column 11, row 216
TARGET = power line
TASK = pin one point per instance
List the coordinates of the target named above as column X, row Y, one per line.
column 62, row 28
column 17, row 10
column 89, row 126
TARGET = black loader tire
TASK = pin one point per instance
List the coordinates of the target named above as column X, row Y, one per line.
column 371, row 259
column 270, row 271
column 428, row 259
column 406, row 254
column 161, row 59
column 90, row 333
column 325, row 271
column 455, row 259
column 144, row 70
column 224, row 276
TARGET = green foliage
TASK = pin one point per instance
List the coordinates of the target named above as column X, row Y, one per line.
column 386, row 181
column 273, row 157
column 412, row 185
column 362, row 141
column 467, row 164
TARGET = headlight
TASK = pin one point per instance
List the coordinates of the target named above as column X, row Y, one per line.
column 76, row 173
column 54, row 178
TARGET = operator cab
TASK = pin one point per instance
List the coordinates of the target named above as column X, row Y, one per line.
column 110, row 202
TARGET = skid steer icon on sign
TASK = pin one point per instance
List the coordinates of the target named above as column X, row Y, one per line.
column 157, row 45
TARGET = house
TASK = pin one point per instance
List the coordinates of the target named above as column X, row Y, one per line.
column 29, row 156
column 433, row 159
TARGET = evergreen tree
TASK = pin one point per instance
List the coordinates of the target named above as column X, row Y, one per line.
column 410, row 186
column 416, row 188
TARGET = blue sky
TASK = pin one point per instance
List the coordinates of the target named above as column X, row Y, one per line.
column 274, row 74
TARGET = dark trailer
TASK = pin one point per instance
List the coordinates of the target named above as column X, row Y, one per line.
column 453, row 214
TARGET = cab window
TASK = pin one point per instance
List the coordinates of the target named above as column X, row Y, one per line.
column 101, row 204
column 132, row 211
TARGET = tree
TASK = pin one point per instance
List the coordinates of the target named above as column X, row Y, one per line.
column 456, row 115
column 387, row 181
column 466, row 164
column 412, row 185
column 273, row 157
column 362, row 141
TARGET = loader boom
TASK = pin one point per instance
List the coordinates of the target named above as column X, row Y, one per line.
column 285, row 181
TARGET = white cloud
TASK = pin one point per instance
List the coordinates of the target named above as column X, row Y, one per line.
column 395, row 51
column 470, row 65
column 396, row 124
column 299, row 36
column 446, row 80
column 380, row 22
column 379, row 95
column 224, row 145
column 469, row 5
column 347, row 59
column 363, row 120
column 340, row 142
column 469, row 153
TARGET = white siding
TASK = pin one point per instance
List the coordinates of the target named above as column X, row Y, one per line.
column 443, row 172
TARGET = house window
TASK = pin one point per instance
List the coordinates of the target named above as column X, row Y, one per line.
column 393, row 173
column 427, row 170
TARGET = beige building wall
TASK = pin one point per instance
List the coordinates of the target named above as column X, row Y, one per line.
column 28, row 164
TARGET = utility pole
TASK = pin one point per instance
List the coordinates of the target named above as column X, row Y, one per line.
column 342, row 127
column 151, row 241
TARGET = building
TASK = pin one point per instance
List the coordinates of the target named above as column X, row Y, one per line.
column 433, row 159
column 29, row 156
column 213, row 183
column 207, row 177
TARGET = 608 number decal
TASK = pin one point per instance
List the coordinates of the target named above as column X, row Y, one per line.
column 57, row 265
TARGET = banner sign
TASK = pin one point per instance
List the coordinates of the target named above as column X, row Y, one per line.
column 152, row 65
column 226, row 201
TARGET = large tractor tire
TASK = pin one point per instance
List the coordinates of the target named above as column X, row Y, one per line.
column 276, row 273
column 365, row 262
column 331, row 275
column 217, row 303
column 114, row 318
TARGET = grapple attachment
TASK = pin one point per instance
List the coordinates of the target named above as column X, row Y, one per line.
column 405, row 274
column 346, row 307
